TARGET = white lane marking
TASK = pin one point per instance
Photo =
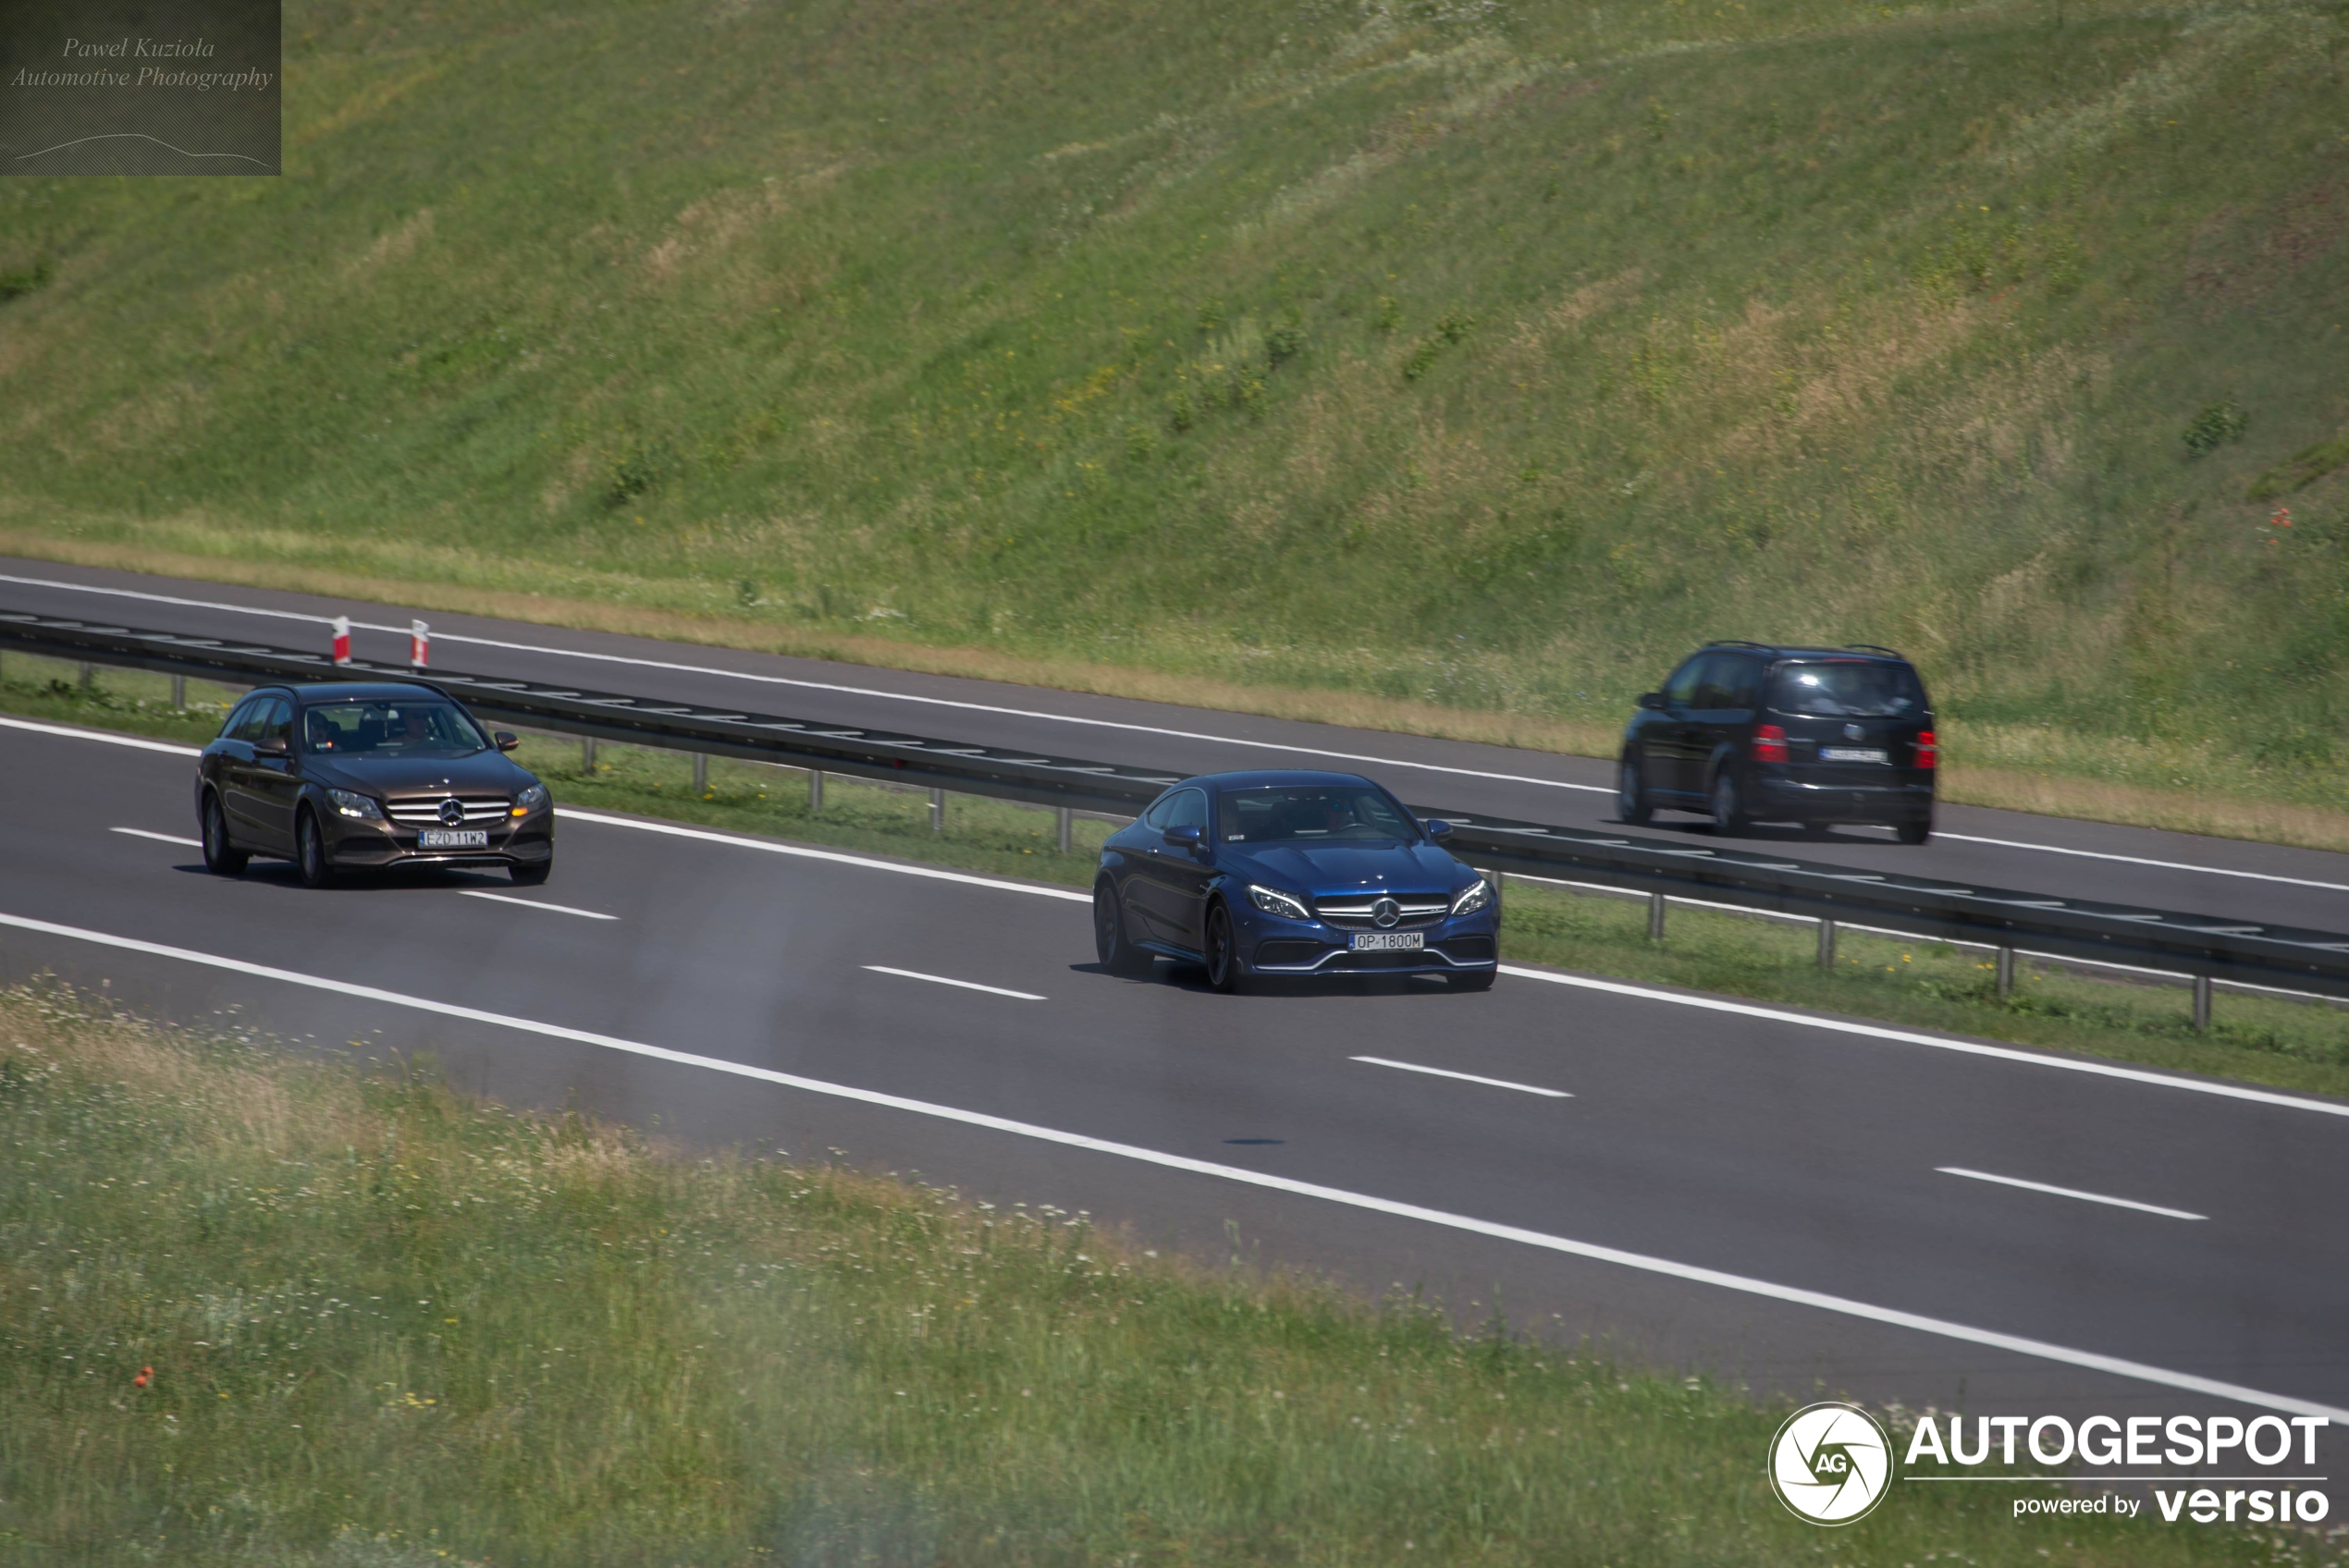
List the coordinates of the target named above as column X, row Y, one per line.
column 959, row 985
column 823, row 686
column 2140, row 859
column 1992, row 1339
column 2066, row 1191
column 158, row 838
column 568, row 815
column 1903, row 1037
column 1463, row 1077
column 140, row 743
column 534, row 903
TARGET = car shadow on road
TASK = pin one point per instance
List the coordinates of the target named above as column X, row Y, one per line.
column 1193, row 977
column 284, row 874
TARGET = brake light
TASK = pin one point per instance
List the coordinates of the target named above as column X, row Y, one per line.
column 1769, row 743
column 1928, row 750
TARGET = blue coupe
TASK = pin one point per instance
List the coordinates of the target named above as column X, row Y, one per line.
column 1261, row 873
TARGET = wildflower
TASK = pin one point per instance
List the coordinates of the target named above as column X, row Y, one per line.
column 2282, row 518
column 146, row 1375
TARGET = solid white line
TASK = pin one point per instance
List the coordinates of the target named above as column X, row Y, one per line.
column 159, row 838
column 534, row 903
column 110, row 738
column 1903, row 1037
column 959, row 985
column 2067, row 1192
column 800, row 851
column 1463, row 1077
column 1892, row 1317
column 2140, row 859
column 820, row 686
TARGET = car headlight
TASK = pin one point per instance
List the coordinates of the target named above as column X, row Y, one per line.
column 1477, row 895
column 530, row 800
column 349, row 802
column 1273, row 901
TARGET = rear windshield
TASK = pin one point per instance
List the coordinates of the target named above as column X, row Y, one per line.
column 1292, row 813
column 1847, row 689
column 427, row 728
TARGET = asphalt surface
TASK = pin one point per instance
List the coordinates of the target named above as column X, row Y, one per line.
column 1979, row 847
column 1787, row 1156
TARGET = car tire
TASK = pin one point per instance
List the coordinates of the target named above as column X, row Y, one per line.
column 1729, row 804
column 1915, row 832
column 310, row 852
column 1631, row 802
column 1471, row 980
column 1813, row 829
column 1116, row 952
column 532, row 875
column 220, row 857
column 1225, row 970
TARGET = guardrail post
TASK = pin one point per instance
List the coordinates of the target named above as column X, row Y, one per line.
column 1655, row 917
column 2006, row 973
column 937, row 811
column 2202, row 1003
column 586, row 753
column 815, row 792
column 1061, row 828
column 1827, row 944
column 701, row 774
column 88, row 675
column 178, row 692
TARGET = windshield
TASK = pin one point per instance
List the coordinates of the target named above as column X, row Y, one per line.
column 1305, row 813
column 430, row 727
column 1847, row 689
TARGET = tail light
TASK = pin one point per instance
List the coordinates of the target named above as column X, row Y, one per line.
column 1928, row 750
column 1769, row 743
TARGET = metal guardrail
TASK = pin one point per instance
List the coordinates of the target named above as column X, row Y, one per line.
column 2205, row 947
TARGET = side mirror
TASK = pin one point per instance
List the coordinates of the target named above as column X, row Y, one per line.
column 1438, row 830
column 507, row 739
column 1651, row 700
column 1182, row 838
column 269, row 746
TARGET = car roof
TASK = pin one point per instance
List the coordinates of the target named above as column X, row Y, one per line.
column 1268, row 777
column 1803, row 651
column 364, row 691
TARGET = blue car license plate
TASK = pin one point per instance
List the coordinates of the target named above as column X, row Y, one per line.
column 1388, row 941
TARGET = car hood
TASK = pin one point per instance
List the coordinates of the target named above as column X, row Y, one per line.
column 482, row 773
column 1318, row 870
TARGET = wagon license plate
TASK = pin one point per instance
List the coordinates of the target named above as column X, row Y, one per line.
column 1389, row 941
column 1853, row 753
column 453, row 838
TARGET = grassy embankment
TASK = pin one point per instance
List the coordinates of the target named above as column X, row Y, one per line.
column 1440, row 365
column 1924, row 985
column 255, row 1309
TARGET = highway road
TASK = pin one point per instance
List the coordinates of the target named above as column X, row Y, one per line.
column 1978, row 847
column 1779, row 1200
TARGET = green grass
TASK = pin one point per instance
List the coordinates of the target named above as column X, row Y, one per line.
column 1482, row 355
column 261, row 1309
column 2275, row 1040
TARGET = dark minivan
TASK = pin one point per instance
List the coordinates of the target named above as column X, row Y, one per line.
column 1751, row 732
column 353, row 775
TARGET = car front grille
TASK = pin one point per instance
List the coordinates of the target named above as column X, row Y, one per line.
column 423, row 811
column 1354, row 912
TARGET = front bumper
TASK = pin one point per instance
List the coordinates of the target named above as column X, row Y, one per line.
column 1272, row 946
column 363, row 844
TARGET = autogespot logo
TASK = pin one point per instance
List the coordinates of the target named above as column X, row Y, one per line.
column 1831, row 1463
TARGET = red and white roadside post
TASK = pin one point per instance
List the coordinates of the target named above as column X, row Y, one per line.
column 342, row 639
column 419, row 644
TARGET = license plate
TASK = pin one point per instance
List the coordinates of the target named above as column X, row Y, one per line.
column 1389, row 941
column 1853, row 753
column 453, row 838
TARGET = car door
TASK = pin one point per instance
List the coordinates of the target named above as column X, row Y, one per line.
column 237, row 776
column 1673, row 732
column 1727, row 690
column 1171, row 883
column 276, row 781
